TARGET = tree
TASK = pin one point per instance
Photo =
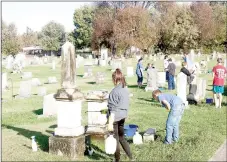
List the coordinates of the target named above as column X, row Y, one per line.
column 83, row 19
column 30, row 38
column 10, row 40
column 52, row 36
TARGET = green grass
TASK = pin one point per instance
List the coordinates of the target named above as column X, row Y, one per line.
column 203, row 128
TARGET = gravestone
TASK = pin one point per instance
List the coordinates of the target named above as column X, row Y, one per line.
column 104, row 54
column 199, row 54
column 9, row 62
column 4, row 81
column 87, row 71
column 26, row 75
column 90, row 57
column 96, row 61
column 154, row 58
column 49, row 105
column 161, row 79
column 42, row 91
column 204, row 85
column 130, row 72
column 182, row 86
column 225, row 63
column 192, row 55
column 36, row 82
column 100, row 77
column 152, row 80
column 214, row 55
column 102, row 62
column 52, row 80
column 25, row 89
column 199, row 82
column 116, row 64
column 53, row 65
column 208, row 58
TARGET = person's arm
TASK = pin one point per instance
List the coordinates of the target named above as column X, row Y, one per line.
column 166, row 104
column 113, row 101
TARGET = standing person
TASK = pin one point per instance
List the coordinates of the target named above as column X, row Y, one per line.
column 175, row 106
column 171, row 69
column 118, row 105
column 166, row 63
column 139, row 72
column 219, row 75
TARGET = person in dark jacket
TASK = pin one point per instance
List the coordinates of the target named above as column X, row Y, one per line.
column 184, row 70
column 171, row 69
column 118, row 105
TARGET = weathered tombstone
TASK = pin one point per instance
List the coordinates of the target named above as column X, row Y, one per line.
column 130, row 72
column 26, row 75
column 36, row 82
column 199, row 83
column 49, row 105
column 9, row 62
column 68, row 105
column 100, row 78
column 208, row 58
column 4, row 81
column 192, row 55
column 53, row 65
column 214, row 55
column 152, row 79
column 97, row 112
column 225, row 63
column 52, row 80
column 102, row 62
column 161, row 79
column 182, row 86
column 25, row 89
column 87, row 71
column 104, row 54
column 116, row 64
column 204, row 84
column 96, row 61
column 42, row 91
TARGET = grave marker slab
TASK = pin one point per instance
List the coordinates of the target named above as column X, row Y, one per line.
column 130, row 72
column 25, row 89
column 182, row 86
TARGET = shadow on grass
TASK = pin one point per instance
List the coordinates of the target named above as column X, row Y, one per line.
column 225, row 91
column 98, row 154
column 53, row 126
column 81, row 76
column 38, row 112
column 41, row 139
column 136, row 86
column 91, row 82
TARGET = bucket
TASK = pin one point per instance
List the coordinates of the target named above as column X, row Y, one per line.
column 209, row 100
column 130, row 130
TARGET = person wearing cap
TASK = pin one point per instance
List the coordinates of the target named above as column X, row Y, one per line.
column 219, row 75
column 139, row 72
column 171, row 69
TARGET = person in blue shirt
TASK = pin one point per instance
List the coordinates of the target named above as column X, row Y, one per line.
column 175, row 106
column 139, row 72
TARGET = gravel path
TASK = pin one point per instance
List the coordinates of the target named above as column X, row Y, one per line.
column 220, row 154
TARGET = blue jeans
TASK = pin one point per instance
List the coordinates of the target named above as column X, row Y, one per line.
column 172, row 123
column 171, row 83
column 167, row 76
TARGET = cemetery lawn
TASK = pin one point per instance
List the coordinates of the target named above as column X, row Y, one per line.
column 202, row 129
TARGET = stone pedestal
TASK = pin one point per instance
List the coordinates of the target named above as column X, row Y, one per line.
column 72, row 147
column 69, row 118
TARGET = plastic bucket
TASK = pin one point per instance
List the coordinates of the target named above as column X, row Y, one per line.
column 209, row 100
column 130, row 130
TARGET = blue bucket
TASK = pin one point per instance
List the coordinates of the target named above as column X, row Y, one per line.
column 209, row 100
column 130, row 130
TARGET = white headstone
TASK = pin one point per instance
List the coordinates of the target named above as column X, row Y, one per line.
column 130, row 72
column 192, row 55
column 4, row 81
column 52, row 80
column 69, row 118
column 26, row 75
column 204, row 85
column 53, row 65
column 100, row 78
column 9, row 62
column 87, row 71
column 95, row 117
column 49, row 105
column 152, row 79
column 161, row 79
column 225, row 63
column 25, row 89
column 182, row 86
column 116, row 64
column 104, row 54
column 208, row 58
column 90, row 57
column 214, row 55
column 36, row 82
column 42, row 91
column 102, row 62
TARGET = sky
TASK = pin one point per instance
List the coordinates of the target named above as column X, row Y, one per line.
column 37, row 14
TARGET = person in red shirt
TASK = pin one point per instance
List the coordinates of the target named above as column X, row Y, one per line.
column 219, row 74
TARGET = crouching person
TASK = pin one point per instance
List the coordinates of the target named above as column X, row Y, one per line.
column 175, row 106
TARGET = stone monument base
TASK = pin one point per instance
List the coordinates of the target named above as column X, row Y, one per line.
column 93, row 129
column 69, row 131
column 69, row 94
column 72, row 147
